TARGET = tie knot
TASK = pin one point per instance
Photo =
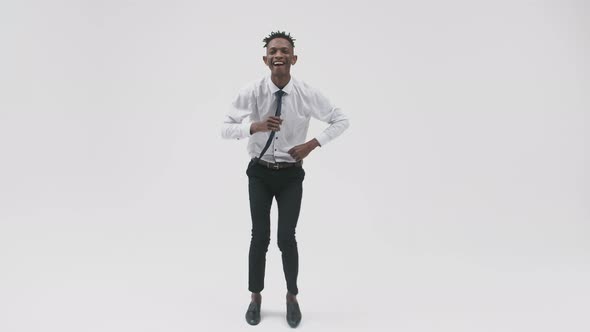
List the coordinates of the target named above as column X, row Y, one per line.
column 280, row 93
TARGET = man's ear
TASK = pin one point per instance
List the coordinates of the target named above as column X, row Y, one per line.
column 264, row 58
column 293, row 59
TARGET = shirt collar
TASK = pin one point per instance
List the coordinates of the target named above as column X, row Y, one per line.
column 287, row 89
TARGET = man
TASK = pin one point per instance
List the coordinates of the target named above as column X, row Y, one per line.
column 274, row 113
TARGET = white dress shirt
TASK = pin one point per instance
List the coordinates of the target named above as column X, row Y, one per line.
column 257, row 101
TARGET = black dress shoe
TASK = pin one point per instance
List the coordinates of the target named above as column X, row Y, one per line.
column 293, row 314
column 253, row 313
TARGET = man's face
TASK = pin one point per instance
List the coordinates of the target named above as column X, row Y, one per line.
column 279, row 56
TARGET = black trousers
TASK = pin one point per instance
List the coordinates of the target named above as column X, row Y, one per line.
column 285, row 185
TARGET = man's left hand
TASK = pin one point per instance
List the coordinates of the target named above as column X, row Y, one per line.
column 301, row 151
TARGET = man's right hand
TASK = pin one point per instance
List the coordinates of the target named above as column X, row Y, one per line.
column 271, row 123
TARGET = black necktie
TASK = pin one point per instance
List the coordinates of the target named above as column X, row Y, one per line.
column 279, row 94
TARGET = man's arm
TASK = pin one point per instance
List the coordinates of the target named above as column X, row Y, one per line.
column 323, row 110
column 234, row 125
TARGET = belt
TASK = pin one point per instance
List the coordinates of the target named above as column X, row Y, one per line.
column 277, row 165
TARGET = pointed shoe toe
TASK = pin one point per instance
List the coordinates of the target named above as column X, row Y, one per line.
column 253, row 313
column 293, row 314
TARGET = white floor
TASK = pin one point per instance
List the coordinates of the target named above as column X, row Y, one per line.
column 151, row 274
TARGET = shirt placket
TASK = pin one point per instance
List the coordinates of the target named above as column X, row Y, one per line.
column 275, row 145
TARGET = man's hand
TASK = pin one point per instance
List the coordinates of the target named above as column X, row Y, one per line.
column 301, row 151
column 271, row 123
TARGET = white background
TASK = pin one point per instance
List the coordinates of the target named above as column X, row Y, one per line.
column 458, row 199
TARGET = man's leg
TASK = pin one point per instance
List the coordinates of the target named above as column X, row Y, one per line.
column 260, row 204
column 289, row 205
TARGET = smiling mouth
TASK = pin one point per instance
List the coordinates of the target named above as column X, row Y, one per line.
column 278, row 63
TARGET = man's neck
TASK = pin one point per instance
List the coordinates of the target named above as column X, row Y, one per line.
column 280, row 81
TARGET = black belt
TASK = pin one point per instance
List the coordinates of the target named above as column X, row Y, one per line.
column 277, row 165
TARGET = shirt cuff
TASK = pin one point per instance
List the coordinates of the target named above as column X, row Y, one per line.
column 245, row 129
column 323, row 139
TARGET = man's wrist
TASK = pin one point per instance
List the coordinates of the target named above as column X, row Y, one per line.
column 313, row 143
column 253, row 128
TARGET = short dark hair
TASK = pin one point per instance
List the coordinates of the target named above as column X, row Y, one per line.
column 279, row 34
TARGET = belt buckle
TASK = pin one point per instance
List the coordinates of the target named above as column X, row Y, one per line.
column 275, row 166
